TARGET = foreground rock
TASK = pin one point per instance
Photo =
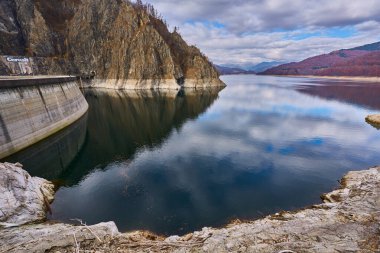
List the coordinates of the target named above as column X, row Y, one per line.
column 23, row 199
column 347, row 221
column 42, row 237
column 374, row 120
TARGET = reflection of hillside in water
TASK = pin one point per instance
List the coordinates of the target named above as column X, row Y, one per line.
column 362, row 94
column 120, row 122
column 49, row 158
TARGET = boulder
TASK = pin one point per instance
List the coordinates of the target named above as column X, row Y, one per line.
column 23, row 199
column 374, row 120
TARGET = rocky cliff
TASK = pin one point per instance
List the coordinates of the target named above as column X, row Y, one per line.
column 127, row 44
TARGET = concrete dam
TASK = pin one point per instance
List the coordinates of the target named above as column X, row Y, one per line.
column 33, row 108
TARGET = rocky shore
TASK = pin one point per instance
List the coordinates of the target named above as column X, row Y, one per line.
column 348, row 220
column 374, row 120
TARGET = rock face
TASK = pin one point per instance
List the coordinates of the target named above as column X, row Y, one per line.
column 347, row 221
column 127, row 45
column 23, row 199
column 11, row 38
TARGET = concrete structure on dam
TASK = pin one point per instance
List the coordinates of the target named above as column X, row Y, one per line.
column 33, row 108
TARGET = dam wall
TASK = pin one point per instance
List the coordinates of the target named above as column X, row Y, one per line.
column 32, row 109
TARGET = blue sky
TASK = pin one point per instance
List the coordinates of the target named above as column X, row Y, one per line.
column 243, row 32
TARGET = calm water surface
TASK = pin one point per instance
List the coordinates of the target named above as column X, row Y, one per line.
column 173, row 163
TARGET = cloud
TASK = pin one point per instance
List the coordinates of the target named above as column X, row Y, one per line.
column 228, row 48
column 246, row 32
column 254, row 16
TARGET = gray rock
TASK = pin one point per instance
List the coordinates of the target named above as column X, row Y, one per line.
column 23, row 199
column 43, row 237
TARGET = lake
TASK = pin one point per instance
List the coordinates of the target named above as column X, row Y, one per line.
column 173, row 162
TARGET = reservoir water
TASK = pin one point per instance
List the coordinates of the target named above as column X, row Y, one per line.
column 175, row 162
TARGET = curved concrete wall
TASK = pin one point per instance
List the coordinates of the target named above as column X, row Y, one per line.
column 51, row 157
column 30, row 112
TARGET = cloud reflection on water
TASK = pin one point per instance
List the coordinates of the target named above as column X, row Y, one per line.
column 262, row 147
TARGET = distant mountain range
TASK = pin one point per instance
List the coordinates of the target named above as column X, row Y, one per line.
column 224, row 70
column 251, row 69
column 265, row 65
column 358, row 61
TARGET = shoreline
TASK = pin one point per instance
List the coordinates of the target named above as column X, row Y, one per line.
column 151, row 84
column 348, row 78
column 347, row 220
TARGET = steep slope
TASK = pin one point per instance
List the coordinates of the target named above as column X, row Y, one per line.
column 359, row 61
column 11, row 39
column 369, row 47
column 126, row 44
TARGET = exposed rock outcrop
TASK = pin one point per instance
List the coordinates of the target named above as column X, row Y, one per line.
column 42, row 237
column 127, row 45
column 374, row 120
column 23, row 199
column 11, row 38
column 347, row 221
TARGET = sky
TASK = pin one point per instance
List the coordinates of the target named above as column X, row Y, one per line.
column 247, row 32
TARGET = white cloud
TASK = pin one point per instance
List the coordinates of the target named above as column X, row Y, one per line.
column 245, row 32
column 229, row 48
column 260, row 15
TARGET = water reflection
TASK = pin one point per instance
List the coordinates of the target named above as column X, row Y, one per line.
column 363, row 94
column 264, row 146
column 50, row 158
column 121, row 122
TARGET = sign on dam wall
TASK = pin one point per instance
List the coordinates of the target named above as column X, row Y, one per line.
column 33, row 109
column 17, row 65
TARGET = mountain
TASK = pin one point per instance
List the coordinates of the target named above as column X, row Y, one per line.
column 358, row 61
column 127, row 45
column 368, row 47
column 248, row 69
column 223, row 70
column 265, row 65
